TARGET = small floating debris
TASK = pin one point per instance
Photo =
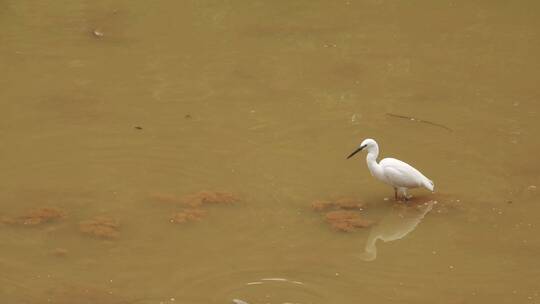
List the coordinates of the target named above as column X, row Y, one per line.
column 354, row 119
column 138, row 127
column 446, row 206
column 97, row 33
column 188, row 215
column 101, row 227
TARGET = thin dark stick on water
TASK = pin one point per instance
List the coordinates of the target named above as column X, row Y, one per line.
column 420, row 120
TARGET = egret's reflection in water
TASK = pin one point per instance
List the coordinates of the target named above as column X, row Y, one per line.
column 394, row 226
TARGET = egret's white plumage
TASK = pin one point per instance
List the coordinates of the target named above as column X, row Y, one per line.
column 400, row 175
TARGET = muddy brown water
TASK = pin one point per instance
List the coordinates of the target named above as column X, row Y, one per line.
column 107, row 103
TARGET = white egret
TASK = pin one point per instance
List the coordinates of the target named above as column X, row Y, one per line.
column 400, row 175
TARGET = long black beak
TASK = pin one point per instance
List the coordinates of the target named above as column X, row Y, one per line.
column 356, row 151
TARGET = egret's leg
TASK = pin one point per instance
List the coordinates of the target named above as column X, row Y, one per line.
column 403, row 194
column 406, row 197
column 395, row 194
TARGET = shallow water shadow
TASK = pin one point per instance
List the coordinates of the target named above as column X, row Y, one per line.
column 395, row 225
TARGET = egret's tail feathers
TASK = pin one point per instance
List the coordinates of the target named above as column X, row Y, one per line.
column 429, row 185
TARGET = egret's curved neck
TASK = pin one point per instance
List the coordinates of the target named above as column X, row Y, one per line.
column 371, row 159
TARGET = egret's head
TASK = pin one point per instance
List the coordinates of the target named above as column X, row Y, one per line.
column 368, row 144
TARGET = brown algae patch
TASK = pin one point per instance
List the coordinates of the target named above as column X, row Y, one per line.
column 347, row 221
column 101, row 227
column 209, row 197
column 193, row 204
column 345, row 203
column 35, row 217
column 343, row 214
column 187, row 215
column 197, row 199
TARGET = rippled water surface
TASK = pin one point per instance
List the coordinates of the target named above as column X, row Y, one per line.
column 114, row 111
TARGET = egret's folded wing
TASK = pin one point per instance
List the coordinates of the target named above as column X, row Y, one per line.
column 400, row 173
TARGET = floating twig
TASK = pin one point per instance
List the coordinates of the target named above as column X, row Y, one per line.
column 420, row 120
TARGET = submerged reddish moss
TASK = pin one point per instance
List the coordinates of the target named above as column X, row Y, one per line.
column 343, row 214
column 346, row 203
column 101, row 227
column 208, row 197
column 197, row 199
column 347, row 221
column 35, row 217
column 187, row 215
